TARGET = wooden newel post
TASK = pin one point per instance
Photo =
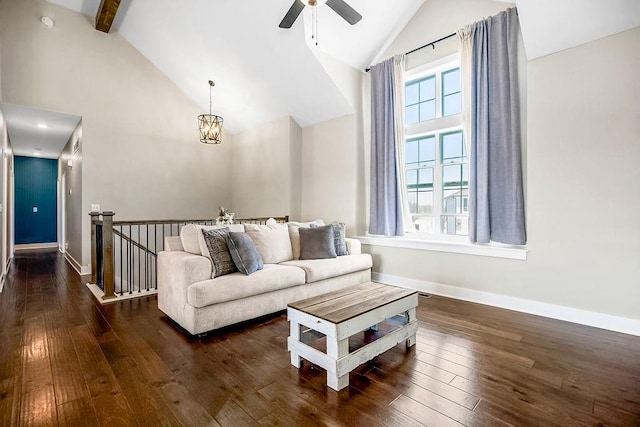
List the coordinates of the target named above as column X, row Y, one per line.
column 95, row 220
column 107, row 255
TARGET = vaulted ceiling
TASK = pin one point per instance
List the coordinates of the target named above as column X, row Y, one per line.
column 263, row 72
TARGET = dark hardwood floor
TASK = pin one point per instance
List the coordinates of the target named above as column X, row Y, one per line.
column 66, row 360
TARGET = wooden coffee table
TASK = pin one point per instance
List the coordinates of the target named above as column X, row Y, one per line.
column 343, row 313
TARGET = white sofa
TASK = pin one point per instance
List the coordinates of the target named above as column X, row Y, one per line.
column 198, row 303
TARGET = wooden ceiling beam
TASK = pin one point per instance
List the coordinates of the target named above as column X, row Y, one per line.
column 106, row 14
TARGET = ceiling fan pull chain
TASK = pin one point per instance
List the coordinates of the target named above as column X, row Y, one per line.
column 316, row 13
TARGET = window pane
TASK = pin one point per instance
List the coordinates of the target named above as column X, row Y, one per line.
column 451, row 81
column 465, row 174
column 425, row 178
column 450, row 201
column 427, row 110
column 454, row 224
column 411, row 151
column 452, row 104
column 428, row 89
column 411, row 93
column 413, row 201
column 425, row 224
column 412, row 179
column 425, row 202
column 427, row 150
column 411, row 114
column 452, row 147
column 452, row 176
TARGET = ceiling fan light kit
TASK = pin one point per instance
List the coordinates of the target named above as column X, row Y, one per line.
column 210, row 125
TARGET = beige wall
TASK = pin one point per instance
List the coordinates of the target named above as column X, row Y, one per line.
column 71, row 195
column 330, row 171
column 6, row 169
column 332, row 157
column 141, row 155
column 582, row 206
column 266, row 170
column 434, row 20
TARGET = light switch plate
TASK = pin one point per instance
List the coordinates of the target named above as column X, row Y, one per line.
column 35, row 209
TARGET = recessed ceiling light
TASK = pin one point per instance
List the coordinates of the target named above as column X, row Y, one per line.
column 37, row 153
column 47, row 22
column 42, row 126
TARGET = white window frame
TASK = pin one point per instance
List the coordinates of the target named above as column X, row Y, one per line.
column 438, row 126
column 431, row 241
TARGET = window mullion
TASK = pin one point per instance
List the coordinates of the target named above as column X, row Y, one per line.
column 437, row 184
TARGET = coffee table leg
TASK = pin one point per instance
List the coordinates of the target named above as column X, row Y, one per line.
column 337, row 350
column 411, row 317
column 294, row 332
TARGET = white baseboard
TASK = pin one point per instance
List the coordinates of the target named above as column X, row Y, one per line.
column 574, row 315
column 97, row 292
column 27, row 246
column 82, row 270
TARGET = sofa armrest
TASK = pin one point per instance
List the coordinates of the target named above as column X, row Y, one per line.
column 173, row 243
column 177, row 270
column 354, row 247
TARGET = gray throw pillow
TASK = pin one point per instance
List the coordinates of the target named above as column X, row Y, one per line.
column 220, row 256
column 244, row 253
column 317, row 242
column 339, row 238
column 339, row 235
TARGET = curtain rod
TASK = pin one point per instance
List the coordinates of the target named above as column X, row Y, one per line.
column 432, row 44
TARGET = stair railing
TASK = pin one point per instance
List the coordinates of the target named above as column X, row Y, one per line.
column 124, row 253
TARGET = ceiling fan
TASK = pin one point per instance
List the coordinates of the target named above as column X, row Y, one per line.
column 339, row 6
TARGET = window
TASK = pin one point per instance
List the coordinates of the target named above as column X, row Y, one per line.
column 437, row 168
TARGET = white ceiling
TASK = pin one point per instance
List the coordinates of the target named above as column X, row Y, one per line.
column 263, row 72
column 549, row 26
column 27, row 138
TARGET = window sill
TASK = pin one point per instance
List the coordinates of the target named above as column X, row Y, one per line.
column 491, row 250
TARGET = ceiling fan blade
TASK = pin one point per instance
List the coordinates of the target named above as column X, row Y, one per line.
column 345, row 11
column 292, row 14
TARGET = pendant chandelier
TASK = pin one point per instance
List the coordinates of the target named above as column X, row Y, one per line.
column 209, row 125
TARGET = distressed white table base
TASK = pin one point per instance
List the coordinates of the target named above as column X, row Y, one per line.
column 337, row 361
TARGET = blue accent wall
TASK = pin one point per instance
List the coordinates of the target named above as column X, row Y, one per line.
column 35, row 183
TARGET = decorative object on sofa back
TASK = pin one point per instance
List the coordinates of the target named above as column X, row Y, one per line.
column 224, row 216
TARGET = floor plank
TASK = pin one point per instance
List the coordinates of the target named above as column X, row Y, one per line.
column 67, row 360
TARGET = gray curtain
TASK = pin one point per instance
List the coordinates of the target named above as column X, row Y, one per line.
column 385, row 205
column 496, row 201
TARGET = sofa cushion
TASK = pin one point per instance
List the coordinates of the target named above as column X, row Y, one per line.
column 320, row 269
column 317, row 242
column 192, row 240
column 236, row 286
column 244, row 253
column 219, row 251
column 294, row 234
column 189, row 237
column 272, row 242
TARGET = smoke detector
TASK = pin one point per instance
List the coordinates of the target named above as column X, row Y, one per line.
column 47, row 22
